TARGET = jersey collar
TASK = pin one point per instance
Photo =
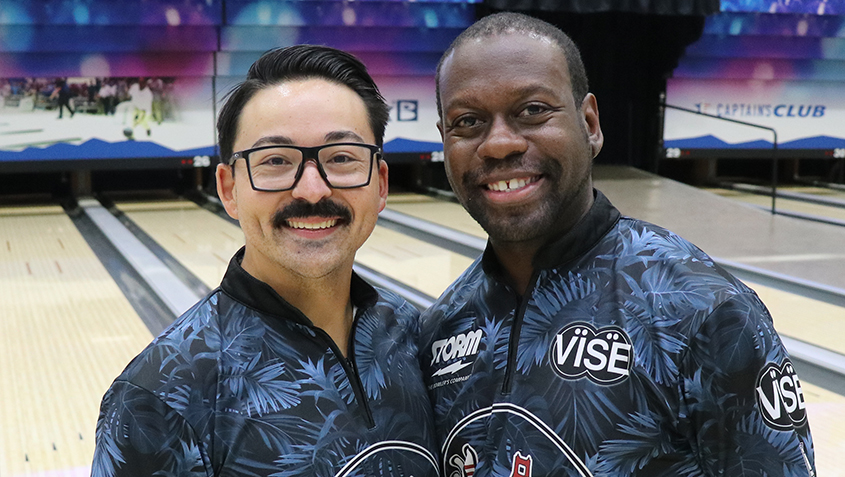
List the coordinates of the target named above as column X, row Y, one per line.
column 256, row 294
column 595, row 224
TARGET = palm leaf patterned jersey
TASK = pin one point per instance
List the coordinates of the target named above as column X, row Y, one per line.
column 632, row 353
column 244, row 385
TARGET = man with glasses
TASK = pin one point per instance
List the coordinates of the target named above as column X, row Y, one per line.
column 294, row 365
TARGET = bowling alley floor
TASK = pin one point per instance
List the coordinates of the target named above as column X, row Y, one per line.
column 67, row 328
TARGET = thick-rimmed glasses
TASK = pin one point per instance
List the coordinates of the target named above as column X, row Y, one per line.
column 343, row 165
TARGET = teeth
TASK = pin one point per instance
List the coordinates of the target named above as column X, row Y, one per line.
column 512, row 184
column 312, row 225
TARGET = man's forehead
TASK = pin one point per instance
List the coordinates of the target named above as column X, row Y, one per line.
column 504, row 42
column 305, row 112
column 520, row 62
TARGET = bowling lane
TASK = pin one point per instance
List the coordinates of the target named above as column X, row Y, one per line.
column 791, row 205
column 727, row 229
column 66, row 331
column 426, row 267
column 201, row 241
column 449, row 214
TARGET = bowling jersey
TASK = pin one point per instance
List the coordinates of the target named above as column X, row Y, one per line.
column 244, row 384
column 630, row 353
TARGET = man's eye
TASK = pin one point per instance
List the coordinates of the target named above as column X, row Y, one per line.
column 341, row 159
column 465, row 122
column 276, row 161
column 533, row 110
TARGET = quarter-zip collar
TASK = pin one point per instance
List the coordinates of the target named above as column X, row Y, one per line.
column 260, row 296
column 273, row 310
column 586, row 233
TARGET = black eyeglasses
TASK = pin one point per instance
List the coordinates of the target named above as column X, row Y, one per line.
column 343, row 165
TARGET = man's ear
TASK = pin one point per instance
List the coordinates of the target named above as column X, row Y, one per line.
column 382, row 184
column 440, row 128
column 225, row 176
column 590, row 110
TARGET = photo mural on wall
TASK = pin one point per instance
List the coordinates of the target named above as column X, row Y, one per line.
column 189, row 54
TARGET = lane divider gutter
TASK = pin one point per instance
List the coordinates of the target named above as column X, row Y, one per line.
column 172, row 291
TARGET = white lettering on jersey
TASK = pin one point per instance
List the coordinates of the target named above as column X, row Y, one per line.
column 458, row 346
column 779, row 396
column 605, row 355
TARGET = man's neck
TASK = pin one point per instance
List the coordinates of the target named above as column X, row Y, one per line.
column 517, row 258
column 517, row 261
column 326, row 300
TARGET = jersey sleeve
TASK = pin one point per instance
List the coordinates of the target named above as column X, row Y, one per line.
column 140, row 435
column 741, row 397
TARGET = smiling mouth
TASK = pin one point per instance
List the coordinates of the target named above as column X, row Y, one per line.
column 298, row 224
column 512, row 184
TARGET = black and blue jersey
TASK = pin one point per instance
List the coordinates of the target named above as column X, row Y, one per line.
column 631, row 353
column 243, row 384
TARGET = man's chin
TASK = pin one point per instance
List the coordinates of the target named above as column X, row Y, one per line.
column 514, row 226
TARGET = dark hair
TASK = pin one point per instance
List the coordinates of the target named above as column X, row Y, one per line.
column 509, row 22
column 296, row 63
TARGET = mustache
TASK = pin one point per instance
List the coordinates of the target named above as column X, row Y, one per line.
column 301, row 208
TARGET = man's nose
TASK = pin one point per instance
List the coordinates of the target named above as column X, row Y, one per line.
column 502, row 140
column 311, row 185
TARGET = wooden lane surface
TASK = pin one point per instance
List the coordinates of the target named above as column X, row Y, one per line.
column 791, row 205
column 426, row 267
column 201, row 241
column 450, row 214
column 66, row 331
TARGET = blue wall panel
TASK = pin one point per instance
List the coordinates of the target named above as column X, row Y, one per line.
column 48, row 65
column 816, row 7
column 775, row 24
column 389, row 39
column 98, row 38
column 334, row 13
column 378, row 63
column 111, row 12
column 710, row 46
column 761, row 68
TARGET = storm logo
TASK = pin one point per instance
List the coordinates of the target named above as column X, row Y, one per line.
column 604, row 355
column 779, row 396
column 459, row 351
column 458, row 346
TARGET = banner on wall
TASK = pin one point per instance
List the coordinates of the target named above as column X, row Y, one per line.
column 807, row 116
column 101, row 118
column 413, row 115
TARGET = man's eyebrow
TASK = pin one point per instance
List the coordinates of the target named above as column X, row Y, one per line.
column 273, row 140
column 334, row 136
column 471, row 100
column 340, row 136
column 536, row 88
